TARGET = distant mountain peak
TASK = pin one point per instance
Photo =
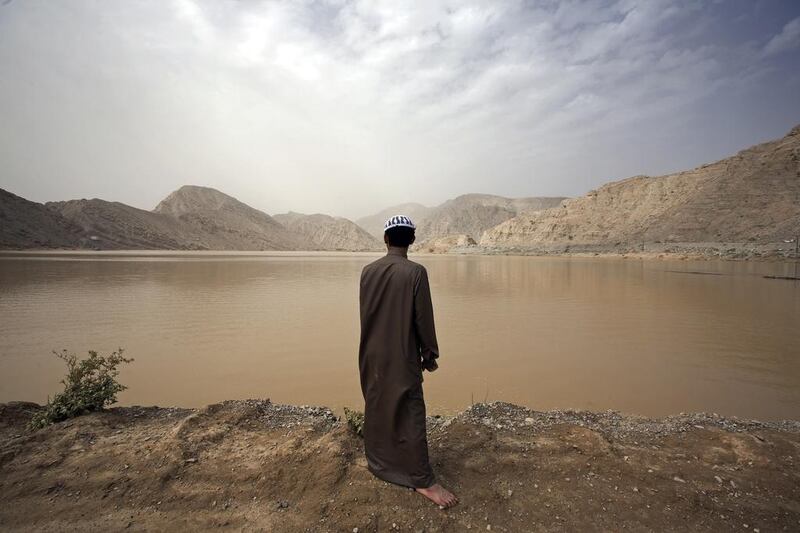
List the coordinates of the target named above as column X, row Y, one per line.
column 234, row 224
column 326, row 232
column 189, row 198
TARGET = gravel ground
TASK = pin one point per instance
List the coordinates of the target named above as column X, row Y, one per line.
column 257, row 466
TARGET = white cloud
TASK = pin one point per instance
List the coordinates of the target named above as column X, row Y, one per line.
column 787, row 39
column 305, row 104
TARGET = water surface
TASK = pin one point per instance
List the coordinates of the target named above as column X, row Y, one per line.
column 648, row 337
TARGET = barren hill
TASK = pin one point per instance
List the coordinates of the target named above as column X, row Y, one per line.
column 325, row 232
column 753, row 196
column 227, row 223
column 116, row 226
column 472, row 214
column 445, row 244
column 374, row 223
column 191, row 218
column 26, row 224
column 465, row 217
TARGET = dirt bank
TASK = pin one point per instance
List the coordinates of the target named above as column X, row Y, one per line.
column 257, row 466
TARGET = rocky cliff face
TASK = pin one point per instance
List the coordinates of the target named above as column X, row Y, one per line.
column 441, row 245
column 227, row 223
column 191, row 218
column 26, row 224
column 325, row 232
column 374, row 223
column 115, row 226
column 472, row 214
column 753, row 196
column 468, row 216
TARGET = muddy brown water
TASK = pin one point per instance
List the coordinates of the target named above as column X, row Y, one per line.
column 650, row 337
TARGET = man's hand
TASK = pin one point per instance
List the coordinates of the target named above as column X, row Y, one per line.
column 430, row 366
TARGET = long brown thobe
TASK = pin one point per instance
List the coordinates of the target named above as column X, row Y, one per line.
column 397, row 338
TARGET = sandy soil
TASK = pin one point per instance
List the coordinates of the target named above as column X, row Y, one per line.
column 256, row 466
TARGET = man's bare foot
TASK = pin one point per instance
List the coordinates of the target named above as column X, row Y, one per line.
column 439, row 495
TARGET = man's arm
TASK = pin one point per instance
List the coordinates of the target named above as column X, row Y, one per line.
column 423, row 322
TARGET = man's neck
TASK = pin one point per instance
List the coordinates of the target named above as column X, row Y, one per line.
column 397, row 250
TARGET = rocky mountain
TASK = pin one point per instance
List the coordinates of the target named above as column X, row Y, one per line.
column 374, row 223
column 472, row 214
column 226, row 223
column 440, row 245
column 191, row 218
column 753, row 196
column 325, row 232
column 116, row 226
column 464, row 217
column 26, row 224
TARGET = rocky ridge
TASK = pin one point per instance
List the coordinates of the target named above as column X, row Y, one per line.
column 227, row 223
column 725, row 209
column 753, row 196
column 26, row 224
column 448, row 243
column 325, row 232
column 456, row 222
column 472, row 214
column 374, row 223
column 116, row 226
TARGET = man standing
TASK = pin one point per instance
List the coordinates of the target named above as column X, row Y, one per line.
column 398, row 341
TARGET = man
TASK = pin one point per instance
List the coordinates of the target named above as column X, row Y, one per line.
column 398, row 341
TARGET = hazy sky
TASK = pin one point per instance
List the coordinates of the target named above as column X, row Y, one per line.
column 347, row 107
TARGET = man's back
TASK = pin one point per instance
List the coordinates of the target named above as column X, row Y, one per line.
column 395, row 313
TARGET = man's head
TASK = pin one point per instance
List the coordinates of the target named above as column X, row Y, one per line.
column 399, row 231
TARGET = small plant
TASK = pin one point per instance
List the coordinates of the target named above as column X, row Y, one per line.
column 90, row 385
column 355, row 420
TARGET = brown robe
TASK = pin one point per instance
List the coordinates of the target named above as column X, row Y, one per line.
column 397, row 339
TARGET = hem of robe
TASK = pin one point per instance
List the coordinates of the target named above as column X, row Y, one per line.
column 402, row 479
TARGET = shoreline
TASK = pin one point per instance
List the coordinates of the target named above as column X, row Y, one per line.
column 253, row 465
column 692, row 251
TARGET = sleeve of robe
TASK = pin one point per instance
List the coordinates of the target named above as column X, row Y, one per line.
column 423, row 321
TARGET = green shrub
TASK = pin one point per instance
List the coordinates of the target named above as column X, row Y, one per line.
column 89, row 386
column 355, row 420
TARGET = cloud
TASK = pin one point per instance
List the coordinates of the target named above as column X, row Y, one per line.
column 347, row 106
column 787, row 39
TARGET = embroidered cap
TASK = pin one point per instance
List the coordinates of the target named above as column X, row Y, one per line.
column 399, row 220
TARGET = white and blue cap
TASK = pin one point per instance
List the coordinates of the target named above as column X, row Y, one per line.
column 398, row 220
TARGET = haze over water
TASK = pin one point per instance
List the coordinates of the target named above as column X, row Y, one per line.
column 644, row 337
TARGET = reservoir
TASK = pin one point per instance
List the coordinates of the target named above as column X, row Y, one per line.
column 649, row 337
